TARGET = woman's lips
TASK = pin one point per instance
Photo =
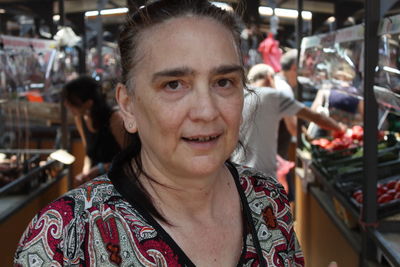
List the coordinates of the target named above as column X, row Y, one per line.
column 204, row 142
column 204, row 138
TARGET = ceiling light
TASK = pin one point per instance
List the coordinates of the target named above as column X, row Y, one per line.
column 390, row 69
column 331, row 19
column 56, row 18
column 284, row 13
column 265, row 11
column 2, row 11
column 223, row 6
column 112, row 11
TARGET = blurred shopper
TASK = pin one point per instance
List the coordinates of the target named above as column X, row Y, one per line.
column 338, row 105
column 263, row 109
column 99, row 125
column 286, row 81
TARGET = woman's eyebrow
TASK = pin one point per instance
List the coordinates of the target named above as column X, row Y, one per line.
column 175, row 72
column 185, row 71
column 225, row 69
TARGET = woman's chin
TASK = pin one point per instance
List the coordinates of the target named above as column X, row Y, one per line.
column 205, row 166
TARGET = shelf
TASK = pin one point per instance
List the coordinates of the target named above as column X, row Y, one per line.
column 389, row 244
column 10, row 204
column 324, row 200
column 334, row 192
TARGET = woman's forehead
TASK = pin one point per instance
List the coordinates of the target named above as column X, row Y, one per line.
column 186, row 39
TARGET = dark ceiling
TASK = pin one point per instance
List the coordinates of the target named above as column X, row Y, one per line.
column 321, row 11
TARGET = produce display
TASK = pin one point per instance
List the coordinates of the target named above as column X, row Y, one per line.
column 387, row 194
column 342, row 140
column 341, row 154
column 340, row 158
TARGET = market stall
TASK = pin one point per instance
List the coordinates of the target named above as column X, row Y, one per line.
column 349, row 180
column 32, row 172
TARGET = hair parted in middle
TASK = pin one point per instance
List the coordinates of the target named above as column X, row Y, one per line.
column 127, row 166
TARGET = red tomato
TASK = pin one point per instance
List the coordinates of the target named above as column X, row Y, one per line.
column 347, row 140
column 315, row 142
column 391, row 184
column 324, row 142
column 381, row 189
column 338, row 134
column 391, row 192
column 357, row 129
column 385, row 198
column 357, row 132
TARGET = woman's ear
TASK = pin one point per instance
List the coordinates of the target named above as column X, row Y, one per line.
column 125, row 103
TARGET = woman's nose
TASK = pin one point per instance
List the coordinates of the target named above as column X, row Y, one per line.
column 204, row 105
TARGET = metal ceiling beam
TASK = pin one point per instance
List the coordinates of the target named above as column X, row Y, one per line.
column 313, row 6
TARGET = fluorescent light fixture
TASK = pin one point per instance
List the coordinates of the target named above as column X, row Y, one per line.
column 62, row 156
column 223, row 6
column 2, row 11
column 284, row 13
column 112, row 11
column 390, row 69
column 37, row 85
column 265, row 11
column 331, row 19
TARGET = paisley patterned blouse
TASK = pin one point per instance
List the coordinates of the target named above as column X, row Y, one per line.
column 94, row 226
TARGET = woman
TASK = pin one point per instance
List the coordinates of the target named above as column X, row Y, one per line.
column 100, row 127
column 173, row 198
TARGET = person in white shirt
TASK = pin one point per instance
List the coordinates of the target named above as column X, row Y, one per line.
column 264, row 107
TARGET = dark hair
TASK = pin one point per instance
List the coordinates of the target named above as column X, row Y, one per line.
column 85, row 88
column 123, row 175
column 288, row 59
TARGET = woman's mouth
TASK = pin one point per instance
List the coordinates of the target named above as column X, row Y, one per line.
column 201, row 139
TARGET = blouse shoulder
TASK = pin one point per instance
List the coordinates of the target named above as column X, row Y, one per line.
column 251, row 178
column 270, row 209
column 93, row 225
column 61, row 223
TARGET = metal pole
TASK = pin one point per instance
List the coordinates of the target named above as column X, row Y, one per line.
column 61, row 11
column 369, row 214
column 299, row 91
column 100, row 5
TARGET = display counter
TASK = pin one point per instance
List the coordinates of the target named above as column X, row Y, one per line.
column 16, row 211
column 22, row 198
column 329, row 227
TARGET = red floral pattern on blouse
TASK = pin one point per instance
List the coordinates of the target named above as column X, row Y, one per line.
column 93, row 224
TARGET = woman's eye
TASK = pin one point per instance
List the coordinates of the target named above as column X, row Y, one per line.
column 224, row 83
column 173, row 85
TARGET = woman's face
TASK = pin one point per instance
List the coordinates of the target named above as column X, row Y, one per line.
column 80, row 109
column 74, row 109
column 187, row 98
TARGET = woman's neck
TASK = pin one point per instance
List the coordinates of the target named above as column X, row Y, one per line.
column 193, row 198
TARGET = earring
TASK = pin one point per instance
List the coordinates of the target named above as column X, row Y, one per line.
column 130, row 125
